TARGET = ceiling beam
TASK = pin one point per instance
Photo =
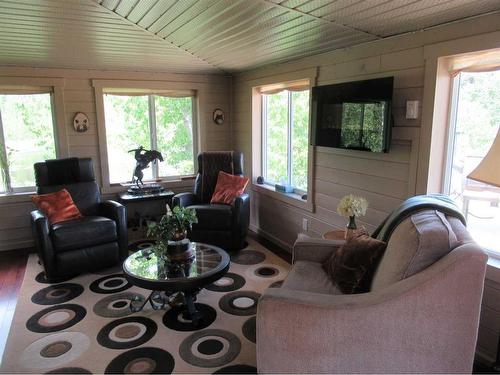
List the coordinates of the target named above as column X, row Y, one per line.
column 334, row 23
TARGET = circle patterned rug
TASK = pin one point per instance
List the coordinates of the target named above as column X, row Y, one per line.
column 84, row 325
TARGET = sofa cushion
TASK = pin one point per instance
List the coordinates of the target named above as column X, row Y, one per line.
column 228, row 188
column 58, row 206
column 415, row 244
column 213, row 216
column 352, row 266
column 83, row 232
column 309, row 276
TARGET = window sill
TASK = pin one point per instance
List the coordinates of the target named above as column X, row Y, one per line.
column 493, row 268
column 20, row 197
column 288, row 198
column 178, row 183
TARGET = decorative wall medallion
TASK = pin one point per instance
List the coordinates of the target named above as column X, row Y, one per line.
column 218, row 116
column 81, row 122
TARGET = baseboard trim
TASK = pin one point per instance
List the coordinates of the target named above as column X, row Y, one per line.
column 484, row 358
column 15, row 245
column 271, row 238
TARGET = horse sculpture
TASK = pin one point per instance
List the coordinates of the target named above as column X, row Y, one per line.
column 143, row 157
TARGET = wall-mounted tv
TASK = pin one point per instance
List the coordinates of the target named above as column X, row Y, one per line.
column 353, row 115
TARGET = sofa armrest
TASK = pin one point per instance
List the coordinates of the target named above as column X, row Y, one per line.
column 314, row 249
column 426, row 323
column 117, row 212
column 184, row 199
column 40, row 228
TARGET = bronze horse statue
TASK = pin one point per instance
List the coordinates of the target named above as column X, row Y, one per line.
column 143, row 157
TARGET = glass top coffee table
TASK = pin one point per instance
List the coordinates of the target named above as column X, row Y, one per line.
column 175, row 282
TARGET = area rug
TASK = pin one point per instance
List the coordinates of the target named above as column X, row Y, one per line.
column 85, row 325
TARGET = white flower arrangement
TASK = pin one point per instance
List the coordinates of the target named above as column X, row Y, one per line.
column 351, row 205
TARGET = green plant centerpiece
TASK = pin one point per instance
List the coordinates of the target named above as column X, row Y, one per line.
column 170, row 233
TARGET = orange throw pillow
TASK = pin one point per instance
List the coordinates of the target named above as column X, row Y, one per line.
column 57, row 206
column 228, row 187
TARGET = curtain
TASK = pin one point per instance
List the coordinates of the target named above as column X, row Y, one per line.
column 275, row 88
column 144, row 92
column 486, row 61
column 24, row 90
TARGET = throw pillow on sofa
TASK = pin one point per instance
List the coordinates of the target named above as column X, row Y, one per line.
column 58, row 206
column 353, row 265
column 228, row 187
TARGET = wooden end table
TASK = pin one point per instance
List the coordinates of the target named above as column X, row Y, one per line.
column 336, row 234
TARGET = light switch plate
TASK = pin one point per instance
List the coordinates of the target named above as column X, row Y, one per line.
column 411, row 109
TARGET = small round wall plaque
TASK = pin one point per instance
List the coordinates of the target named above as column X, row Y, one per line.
column 81, row 122
column 218, row 116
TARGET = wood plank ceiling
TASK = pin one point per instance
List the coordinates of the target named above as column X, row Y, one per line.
column 206, row 36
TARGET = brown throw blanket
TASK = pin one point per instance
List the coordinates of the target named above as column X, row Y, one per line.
column 438, row 202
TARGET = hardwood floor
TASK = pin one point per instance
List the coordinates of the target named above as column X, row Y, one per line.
column 12, row 268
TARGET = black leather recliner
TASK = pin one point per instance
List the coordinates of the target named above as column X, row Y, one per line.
column 95, row 241
column 221, row 225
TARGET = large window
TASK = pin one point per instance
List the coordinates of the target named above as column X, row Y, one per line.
column 26, row 137
column 162, row 123
column 475, row 123
column 285, row 120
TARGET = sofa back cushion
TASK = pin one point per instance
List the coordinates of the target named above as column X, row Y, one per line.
column 418, row 242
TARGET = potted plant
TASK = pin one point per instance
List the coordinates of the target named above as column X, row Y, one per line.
column 170, row 232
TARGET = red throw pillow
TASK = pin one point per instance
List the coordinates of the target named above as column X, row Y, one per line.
column 57, row 206
column 228, row 187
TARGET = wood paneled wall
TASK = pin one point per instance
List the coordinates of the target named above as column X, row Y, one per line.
column 79, row 97
column 384, row 179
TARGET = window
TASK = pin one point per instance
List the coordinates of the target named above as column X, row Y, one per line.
column 26, row 137
column 158, row 122
column 285, row 121
column 475, row 121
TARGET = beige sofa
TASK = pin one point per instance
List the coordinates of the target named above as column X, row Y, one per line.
column 425, row 322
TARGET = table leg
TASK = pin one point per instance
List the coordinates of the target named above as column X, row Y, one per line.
column 191, row 313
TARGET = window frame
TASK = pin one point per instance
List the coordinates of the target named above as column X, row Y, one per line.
column 454, row 96
column 154, row 140
column 290, row 124
column 101, row 86
column 53, row 87
column 287, row 79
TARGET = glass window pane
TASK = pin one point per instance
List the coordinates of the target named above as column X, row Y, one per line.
column 174, row 134
column 300, row 138
column 276, row 137
column 29, row 135
column 477, row 123
column 127, row 128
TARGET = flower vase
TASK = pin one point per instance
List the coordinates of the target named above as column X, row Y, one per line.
column 350, row 227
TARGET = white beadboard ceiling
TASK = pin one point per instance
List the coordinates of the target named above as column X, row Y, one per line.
column 206, row 36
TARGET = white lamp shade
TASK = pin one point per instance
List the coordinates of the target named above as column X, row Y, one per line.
column 488, row 171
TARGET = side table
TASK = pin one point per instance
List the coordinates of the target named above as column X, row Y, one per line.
column 143, row 206
column 336, row 234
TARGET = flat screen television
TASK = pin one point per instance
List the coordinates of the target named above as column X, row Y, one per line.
column 353, row 115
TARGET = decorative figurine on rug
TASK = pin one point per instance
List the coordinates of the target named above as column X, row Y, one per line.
column 143, row 157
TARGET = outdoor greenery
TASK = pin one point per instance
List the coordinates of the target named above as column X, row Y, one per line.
column 28, row 131
column 277, row 156
column 362, row 126
column 478, row 115
column 477, row 123
column 128, row 126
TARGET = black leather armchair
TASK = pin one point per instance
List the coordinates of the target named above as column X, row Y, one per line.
column 95, row 241
column 222, row 225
